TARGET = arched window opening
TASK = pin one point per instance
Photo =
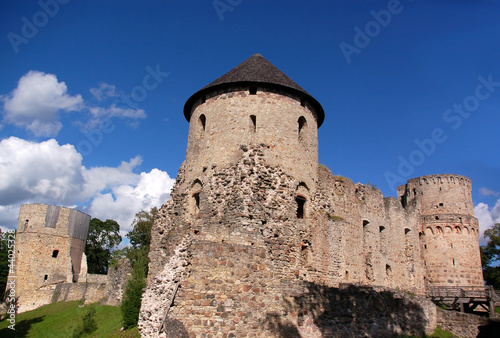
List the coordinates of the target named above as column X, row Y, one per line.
column 45, row 277
column 203, row 121
column 365, row 223
column 414, row 192
column 194, row 204
column 407, row 231
column 196, row 198
column 381, row 228
column 55, row 253
column 253, row 118
column 302, row 125
column 301, row 202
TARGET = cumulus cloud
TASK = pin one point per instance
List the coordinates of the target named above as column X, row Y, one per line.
column 36, row 102
column 487, row 218
column 39, row 98
column 50, row 173
column 124, row 201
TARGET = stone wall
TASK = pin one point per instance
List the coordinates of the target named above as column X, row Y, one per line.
column 46, row 254
column 51, row 265
column 465, row 325
column 232, row 118
column 248, row 255
column 450, row 232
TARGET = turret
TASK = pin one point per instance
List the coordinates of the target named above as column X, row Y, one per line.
column 449, row 232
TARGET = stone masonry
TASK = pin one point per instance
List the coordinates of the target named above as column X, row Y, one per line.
column 259, row 239
column 50, row 263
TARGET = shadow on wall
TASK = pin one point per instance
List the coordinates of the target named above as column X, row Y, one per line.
column 348, row 312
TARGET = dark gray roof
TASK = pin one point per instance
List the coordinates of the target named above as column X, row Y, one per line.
column 256, row 70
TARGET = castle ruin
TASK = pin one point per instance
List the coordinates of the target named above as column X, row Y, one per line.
column 50, row 261
column 259, row 239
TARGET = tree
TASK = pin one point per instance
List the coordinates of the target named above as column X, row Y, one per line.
column 140, row 236
column 131, row 303
column 4, row 260
column 490, row 254
column 137, row 253
column 102, row 238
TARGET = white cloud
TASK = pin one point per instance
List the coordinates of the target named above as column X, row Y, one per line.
column 153, row 189
column 36, row 101
column 104, row 91
column 487, row 192
column 487, row 218
column 50, row 173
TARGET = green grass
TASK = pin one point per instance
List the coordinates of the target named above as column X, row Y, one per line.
column 60, row 319
column 440, row 333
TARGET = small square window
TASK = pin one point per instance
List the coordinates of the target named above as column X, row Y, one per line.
column 55, row 253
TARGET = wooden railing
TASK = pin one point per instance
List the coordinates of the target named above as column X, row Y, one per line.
column 460, row 292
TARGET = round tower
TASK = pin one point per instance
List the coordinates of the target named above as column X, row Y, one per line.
column 450, row 232
column 254, row 103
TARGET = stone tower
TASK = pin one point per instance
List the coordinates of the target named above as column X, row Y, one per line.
column 255, row 103
column 450, row 232
column 50, row 244
column 241, row 199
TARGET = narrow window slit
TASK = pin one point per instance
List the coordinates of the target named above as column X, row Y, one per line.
column 254, row 122
column 301, row 201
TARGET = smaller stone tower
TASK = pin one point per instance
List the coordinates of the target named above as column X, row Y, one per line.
column 50, row 244
column 450, row 232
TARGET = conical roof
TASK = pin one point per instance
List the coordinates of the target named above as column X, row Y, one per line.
column 256, row 70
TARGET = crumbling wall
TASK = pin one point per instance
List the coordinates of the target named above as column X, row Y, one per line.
column 252, row 252
column 44, row 250
column 363, row 238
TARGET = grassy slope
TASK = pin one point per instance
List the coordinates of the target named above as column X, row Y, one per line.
column 60, row 319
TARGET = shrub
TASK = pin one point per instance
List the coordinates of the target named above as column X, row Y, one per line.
column 131, row 303
column 88, row 324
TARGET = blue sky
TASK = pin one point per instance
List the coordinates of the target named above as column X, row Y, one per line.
column 92, row 92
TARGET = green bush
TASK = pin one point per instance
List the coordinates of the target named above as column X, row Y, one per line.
column 131, row 303
column 88, row 324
